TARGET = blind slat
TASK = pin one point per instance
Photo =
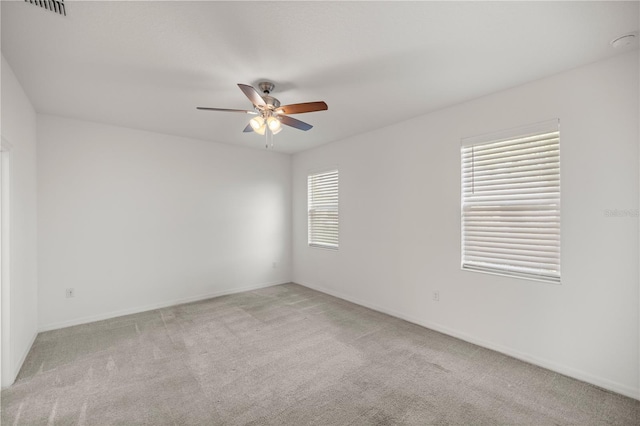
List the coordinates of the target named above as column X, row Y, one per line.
column 511, row 261
column 526, row 146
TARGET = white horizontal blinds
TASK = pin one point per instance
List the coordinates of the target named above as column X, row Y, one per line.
column 511, row 204
column 323, row 209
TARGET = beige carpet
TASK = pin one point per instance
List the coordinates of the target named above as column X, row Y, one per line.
column 287, row 355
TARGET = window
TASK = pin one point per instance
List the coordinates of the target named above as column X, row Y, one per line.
column 511, row 202
column 323, row 209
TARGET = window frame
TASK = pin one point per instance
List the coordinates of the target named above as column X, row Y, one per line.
column 331, row 238
column 552, row 203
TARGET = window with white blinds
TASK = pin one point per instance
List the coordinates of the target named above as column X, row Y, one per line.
column 323, row 209
column 511, row 202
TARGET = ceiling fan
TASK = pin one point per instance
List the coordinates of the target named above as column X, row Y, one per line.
column 270, row 115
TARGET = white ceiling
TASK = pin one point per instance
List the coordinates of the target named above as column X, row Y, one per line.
column 147, row 65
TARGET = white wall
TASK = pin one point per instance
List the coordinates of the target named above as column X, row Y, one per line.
column 18, row 120
column 400, row 226
column 134, row 220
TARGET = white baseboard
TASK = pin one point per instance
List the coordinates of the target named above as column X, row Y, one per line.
column 160, row 305
column 550, row 365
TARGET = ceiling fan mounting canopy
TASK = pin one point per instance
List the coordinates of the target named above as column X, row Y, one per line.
column 266, row 87
column 269, row 110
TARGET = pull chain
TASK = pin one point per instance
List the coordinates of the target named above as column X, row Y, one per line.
column 268, row 137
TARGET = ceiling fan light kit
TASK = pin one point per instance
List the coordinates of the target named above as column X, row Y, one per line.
column 270, row 115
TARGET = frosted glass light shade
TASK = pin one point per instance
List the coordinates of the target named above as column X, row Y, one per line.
column 273, row 123
column 256, row 123
column 260, row 130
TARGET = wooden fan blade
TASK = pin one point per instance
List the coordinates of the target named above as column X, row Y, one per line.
column 248, row 129
column 290, row 121
column 253, row 95
column 303, row 107
column 227, row 110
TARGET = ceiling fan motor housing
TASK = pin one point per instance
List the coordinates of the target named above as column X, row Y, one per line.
column 267, row 87
column 272, row 102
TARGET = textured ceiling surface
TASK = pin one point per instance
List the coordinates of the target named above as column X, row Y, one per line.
column 148, row 64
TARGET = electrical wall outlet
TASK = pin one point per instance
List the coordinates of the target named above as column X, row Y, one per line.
column 436, row 296
column 70, row 292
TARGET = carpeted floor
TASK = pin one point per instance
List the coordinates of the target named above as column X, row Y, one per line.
column 287, row 355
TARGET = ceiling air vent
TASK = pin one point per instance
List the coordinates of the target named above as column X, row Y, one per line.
column 56, row 6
